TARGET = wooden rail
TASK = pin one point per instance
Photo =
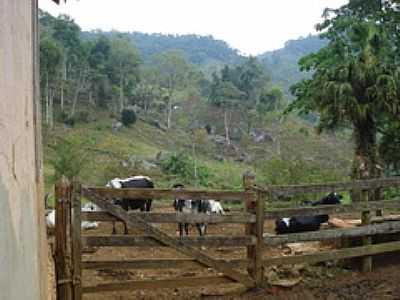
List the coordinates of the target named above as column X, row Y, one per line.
column 165, row 193
column 147, row 241
column 332, row 209
column 175, row 218
column 292, row 190
column 157, row 284
column 330, row 234
column 177, row 263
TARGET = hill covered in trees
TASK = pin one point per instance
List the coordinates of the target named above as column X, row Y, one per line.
column 199, row 50
column 284, row 62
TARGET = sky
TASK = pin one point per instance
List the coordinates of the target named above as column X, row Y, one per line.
column 251, row 26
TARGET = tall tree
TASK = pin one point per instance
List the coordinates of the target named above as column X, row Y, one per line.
column 123, row 64
column 355, row 79
column 174, row 73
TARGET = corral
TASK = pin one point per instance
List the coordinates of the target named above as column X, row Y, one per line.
column 235, row 254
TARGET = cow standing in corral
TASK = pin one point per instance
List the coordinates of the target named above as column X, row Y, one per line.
column 307, row 223
column 131, row 203
column 189, row 206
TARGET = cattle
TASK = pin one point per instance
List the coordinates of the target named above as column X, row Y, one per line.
column 195, row 207
column 307, row 223
column 86, row 225
column 130, row 203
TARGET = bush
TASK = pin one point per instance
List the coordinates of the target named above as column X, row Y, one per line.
column 69, row 158
column 183, row 166
column 128, row 117
column 82, row 116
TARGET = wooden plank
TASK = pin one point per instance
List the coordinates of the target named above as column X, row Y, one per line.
column 179, row 263
column 258, row 264
column 174, row 217
column 250, row 229
column 291, row 190
column 76, row 241
column 164, row 193
column 333, row 254
column 331, row 209
column 391, row 227
column 157, row 284
column 62, row 233
column 178, row 245
column 148, row 241
column 366, row 240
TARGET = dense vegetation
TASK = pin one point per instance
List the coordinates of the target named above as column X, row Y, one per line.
column 355, row 79
column 191, row 109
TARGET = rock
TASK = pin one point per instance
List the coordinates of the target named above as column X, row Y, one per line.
column 139, row 163
column 158, row 124
column 261, row 136
column 287, row 282
column 116, row 126
column 219, row 139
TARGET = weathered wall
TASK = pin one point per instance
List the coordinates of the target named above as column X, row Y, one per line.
column 22, row 234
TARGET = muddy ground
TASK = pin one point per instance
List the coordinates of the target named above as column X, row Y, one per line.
column 325, row 281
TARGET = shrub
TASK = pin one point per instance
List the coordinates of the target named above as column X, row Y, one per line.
column 128, row 117
column 69, row 158
column 183, row 166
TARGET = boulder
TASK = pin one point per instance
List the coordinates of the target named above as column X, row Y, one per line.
column 117, row 126
column 261, row 136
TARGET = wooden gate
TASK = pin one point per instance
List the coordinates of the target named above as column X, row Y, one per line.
column 70, row 242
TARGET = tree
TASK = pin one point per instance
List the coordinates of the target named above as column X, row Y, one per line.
column 355, row 79
column 226, row 95
column 123, row 65
column 270, row 100
column 50, row 59
column 174, row 73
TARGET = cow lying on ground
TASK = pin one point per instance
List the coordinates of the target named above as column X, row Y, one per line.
column 306, row 223
column 88, row 207
column 129, row 203
column 195, row 207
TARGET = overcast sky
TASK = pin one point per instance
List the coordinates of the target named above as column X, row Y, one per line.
column 252, row 26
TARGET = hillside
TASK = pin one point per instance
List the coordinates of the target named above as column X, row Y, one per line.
column 283, row 62
column 199, row 50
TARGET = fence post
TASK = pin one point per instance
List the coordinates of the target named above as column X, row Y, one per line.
column 76, row 241
column 366, row 240
column 62, row 232
column 260, row 214
column 251, row 228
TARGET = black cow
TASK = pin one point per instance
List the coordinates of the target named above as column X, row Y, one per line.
column 195, row 207
column 129, row 203
column 306, row 223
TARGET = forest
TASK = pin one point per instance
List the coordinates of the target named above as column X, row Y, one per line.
column 191, row 108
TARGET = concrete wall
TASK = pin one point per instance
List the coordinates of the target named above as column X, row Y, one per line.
column 23, row 256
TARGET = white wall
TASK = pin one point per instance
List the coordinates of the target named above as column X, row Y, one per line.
column 23, row 256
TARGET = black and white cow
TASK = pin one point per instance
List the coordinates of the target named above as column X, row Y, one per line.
column 307, row 223
column 195, row 207
column 129, row 203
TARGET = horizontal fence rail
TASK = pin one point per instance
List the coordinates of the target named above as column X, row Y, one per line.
column 146, row 241
column 178, row 263
column 332, row 209
column 175, row 217
column 157, row 284
column 292, row 190
column 140, row 193
column 334, row 254
column 384, row 228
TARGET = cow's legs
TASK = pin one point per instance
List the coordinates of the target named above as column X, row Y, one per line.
column 187, row 228
column 180, row 225
column 114, row 231
column 125, row 228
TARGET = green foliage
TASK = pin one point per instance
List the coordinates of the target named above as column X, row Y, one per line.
column 355, row 81
column 187, row 170
column 279, row 171
column 128, row 117
column 68, row 159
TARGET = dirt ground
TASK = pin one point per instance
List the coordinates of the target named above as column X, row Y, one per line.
column 326, row 281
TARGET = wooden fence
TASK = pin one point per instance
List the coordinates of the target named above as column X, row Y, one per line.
column 247, row 271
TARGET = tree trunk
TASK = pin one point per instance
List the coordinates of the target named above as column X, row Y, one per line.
column 47, row 98
column 51, row 112
column 121, row 90
column 63, row 80
column 226, row 125
column 366, row 160
column 81, row 83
